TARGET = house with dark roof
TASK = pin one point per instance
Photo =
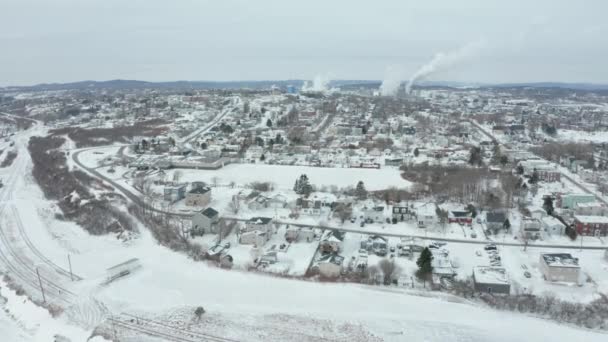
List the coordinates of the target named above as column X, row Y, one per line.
column 495, row 221
column 205, row 221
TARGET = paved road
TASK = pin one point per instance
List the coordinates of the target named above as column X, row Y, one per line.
column 210, row 125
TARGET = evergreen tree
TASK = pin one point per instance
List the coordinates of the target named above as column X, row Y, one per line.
column 416, row 152
column 548, row 205
column 360, row 191
column 305, row 187
column 302, row 186
column 425, row 267
column 475, row 157
column 507, row 224
column 534, row 179
column 269, row 123
column 262, row 157
column 520, row 170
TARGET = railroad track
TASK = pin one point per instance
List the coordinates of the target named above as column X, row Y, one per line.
column 180, row 334
column 17, row 264
column 35, row 250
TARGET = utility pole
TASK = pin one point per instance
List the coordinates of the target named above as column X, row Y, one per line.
column 41, row 288
column 70, row 263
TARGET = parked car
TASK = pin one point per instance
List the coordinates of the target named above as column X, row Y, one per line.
column 490, row 247
column 527, row 274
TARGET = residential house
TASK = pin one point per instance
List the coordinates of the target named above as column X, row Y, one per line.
column 591, row 209
column 331, row 241
column 426, row 215
column 306, row 234
column 393, row 161
column 569, row 201
column 263, row 224
column 376, row 244
column 330, row 265
column 198, row 197
column 254, row 153
column 495, row 221
column 401, row 213
column 291, row 233
column 591, row 225
column 552, row 226
column 256, row 238
column 442, row 265
column 530, row 228
column 374, row 214
column 460, row 216
column 560, row 267
column 174, row 193
column 205, row 221
column 315, row 205
column 277, row 201
column 258, row 202
column 493, row 280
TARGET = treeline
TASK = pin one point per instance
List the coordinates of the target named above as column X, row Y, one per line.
column 85, row 137
column 70, row 189
column 8, row 159
column 463, row 184
column 553, row 151
column 592, row 315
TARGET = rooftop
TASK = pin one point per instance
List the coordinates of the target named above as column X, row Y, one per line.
column 210, row 212
column 260, row 220
column 199, row 190
column 560, row 260
column 490, row 275
column 591, row 219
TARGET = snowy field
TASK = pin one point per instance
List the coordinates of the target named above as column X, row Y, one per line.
column 284, row 176
column 581, row 136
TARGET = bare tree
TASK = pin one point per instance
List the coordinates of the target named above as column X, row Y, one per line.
column 389, row 269
column 234, row 205
column 177, row 175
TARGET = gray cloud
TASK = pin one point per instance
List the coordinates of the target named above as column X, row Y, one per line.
column 69, row 40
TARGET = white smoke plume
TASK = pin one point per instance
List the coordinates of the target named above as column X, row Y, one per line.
column 320, row 83
column 392, row 81
column 442, row 61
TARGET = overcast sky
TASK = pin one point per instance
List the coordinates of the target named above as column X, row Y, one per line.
column 515, row 40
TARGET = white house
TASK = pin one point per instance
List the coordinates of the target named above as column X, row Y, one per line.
column 330, row 265
column 530, row 228
column 256, row 237
column 552, row 226
column 205, row 221
column 374, row 214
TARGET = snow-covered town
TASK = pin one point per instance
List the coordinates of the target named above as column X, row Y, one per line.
column 336, row 185
column 310, row 207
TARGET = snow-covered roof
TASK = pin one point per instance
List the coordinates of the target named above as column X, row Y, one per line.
column 560, row 260
column 591, row 219
column 490, row 275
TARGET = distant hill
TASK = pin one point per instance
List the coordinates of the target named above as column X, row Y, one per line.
column 264, row 84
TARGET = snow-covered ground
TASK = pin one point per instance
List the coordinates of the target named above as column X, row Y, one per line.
column 581, row 136
column 248, row 306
